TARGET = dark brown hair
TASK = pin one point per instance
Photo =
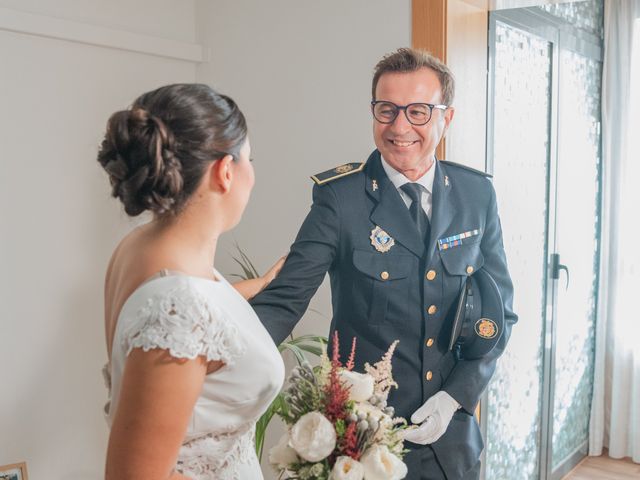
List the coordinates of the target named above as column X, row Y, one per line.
column 407, row 60
column 156, row 152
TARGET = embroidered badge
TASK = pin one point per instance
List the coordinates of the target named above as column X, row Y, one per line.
column 455, row 240
column 337, row 172
column 343, row 168
column 486, row 328
column 381, row 240
column 374, row 185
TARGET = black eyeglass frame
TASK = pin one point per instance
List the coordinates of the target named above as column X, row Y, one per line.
column 405, row 107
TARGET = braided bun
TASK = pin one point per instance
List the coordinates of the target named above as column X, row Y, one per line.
column 156, row 152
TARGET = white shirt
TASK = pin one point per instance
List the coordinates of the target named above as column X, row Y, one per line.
column 426, row 180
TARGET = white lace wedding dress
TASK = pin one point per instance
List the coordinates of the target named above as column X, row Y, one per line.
column 192, row 316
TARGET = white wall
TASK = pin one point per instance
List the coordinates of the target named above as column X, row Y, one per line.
column 301, row 71
column 58, row 224
column 167, row 19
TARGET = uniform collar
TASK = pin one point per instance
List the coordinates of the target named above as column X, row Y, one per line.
column 389, row 211
column 398, row 179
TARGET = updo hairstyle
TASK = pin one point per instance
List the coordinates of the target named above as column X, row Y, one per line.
column 156, row 152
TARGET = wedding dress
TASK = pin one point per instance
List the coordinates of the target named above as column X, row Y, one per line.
column 193, row 316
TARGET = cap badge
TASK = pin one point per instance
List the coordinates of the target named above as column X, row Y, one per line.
column 486, row 328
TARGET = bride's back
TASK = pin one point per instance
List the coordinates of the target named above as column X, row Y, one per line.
column 138, row 257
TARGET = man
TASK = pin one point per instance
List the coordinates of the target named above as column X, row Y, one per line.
column 399, row 235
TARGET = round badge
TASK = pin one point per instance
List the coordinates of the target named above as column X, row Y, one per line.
column 486, row 328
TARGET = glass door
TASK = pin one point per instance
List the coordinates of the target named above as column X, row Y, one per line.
column 544, row 152
column 520, row 161
column 577, row 248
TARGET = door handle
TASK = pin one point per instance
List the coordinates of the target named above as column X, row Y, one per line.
column 556, row 267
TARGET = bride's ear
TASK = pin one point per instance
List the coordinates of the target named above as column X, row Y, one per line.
column 220, row 174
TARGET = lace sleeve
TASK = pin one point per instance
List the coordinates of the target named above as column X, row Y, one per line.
column 181, row 321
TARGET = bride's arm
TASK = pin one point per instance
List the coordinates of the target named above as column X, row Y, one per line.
column 250, row 288
column 156, row 401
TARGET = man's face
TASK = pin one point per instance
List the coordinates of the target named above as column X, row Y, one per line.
column 410, row 148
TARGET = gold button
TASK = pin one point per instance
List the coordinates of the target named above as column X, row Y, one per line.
column 469, row 269
column 432, row 309
column 429, row 342
column 384, row 275
column 429, row 376
column 431, row 274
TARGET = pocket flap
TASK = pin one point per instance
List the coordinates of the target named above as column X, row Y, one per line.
column 458, row 260
column 378, row 266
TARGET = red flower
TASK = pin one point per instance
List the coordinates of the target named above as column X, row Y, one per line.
column 336, row 394
column 349, row 444
column 350, row 363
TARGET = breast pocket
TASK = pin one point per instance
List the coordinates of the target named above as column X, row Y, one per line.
column 381, row 287
column 462, row 260
column 459, row 262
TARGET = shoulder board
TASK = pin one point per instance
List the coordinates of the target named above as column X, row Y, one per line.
column 337, row 172
column 465, row 167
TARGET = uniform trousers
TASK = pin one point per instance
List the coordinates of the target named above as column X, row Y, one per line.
column 430, row 469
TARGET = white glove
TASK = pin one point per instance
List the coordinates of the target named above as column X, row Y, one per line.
column 434, row 417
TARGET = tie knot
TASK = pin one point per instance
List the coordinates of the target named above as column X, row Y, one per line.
column 414, row 190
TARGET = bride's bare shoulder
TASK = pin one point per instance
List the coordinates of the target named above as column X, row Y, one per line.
column 130, row 248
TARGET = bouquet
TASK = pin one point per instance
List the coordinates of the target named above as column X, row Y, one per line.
column 339, row 426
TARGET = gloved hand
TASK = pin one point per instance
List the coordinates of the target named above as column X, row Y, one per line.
column 434, row 417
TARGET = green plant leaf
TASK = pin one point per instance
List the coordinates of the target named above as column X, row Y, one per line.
column 263, row 422
column 246, row 263
column 248, row 274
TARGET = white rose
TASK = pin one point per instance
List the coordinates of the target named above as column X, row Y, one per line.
column 346, row 468
column 361, row 385
column 282, row 455
column 380, row 464
column 313, row 437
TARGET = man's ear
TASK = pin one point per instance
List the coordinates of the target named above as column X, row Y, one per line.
column 221, row 174
column 448, row 116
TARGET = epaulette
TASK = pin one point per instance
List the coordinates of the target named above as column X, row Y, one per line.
column 465, row 167
column 337, row 172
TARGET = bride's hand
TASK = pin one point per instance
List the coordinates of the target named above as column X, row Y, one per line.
column 273, row 272
column 250, row 288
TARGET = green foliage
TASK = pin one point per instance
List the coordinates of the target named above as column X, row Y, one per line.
column 313, row 471
column 304, row 394
column 248, row 269
column 312, row 344
column 278, row 404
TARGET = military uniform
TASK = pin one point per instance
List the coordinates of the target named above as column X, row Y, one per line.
column 387, row 284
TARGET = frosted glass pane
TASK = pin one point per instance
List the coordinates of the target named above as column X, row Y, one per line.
column 577, row 218
column 584, row 15
column 521, row 146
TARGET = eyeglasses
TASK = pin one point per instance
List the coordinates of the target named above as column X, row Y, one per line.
column 416, row 113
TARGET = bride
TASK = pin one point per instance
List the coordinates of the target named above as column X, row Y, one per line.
column 190, row 367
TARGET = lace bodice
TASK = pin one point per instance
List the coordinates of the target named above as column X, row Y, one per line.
column 191, row 317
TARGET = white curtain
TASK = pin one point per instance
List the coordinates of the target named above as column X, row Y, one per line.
column 615, row 416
